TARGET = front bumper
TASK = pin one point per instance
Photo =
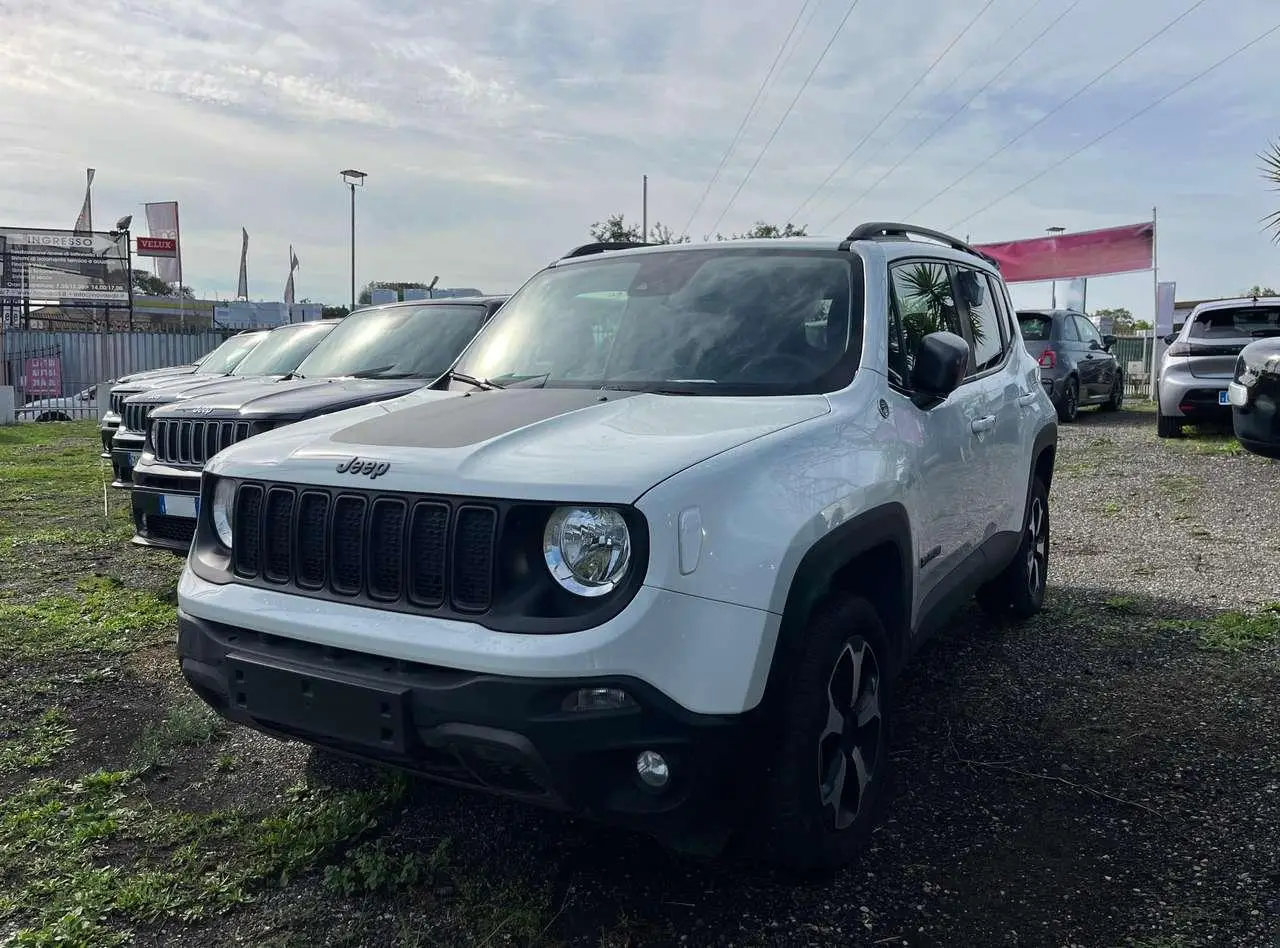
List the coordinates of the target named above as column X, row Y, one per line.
column 126, row 451
column 107, row 431
column 166, row 503
column 1255, row 416
column 503, row 734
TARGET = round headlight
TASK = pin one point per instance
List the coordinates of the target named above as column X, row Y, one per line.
column 587, row 549
column 223, row 510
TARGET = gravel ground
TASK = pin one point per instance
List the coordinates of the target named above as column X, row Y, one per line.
column 1105, row 775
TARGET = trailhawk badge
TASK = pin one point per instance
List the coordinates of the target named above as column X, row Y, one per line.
column 372, row 469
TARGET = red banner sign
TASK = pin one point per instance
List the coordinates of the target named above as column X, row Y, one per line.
column 1088, row 253
column 157, row 247
column 43, row 376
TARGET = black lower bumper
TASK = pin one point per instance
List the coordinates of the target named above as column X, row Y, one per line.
column 505, row 735
column 105, row 434
column 123, row 458
column 1257, row 426
column 155, row 521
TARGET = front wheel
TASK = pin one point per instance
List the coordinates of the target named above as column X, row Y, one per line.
column 823, row 794
column 1019, row 590
column 1117, row 395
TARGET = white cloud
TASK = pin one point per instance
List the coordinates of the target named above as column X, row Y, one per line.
column 495, row 131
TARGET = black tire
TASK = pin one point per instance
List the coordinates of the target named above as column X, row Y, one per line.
column 1019, row 590
column 1167, row 427
column 845, row 652
column 1069, row 404
column 1117, row 395
column 53, row 416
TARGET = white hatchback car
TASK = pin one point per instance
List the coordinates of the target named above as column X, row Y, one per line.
column 657, row 547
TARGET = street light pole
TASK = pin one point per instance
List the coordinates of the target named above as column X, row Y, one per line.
column 1053, row 284
column 351, row 178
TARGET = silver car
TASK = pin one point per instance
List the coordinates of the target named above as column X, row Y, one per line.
column 1200, row 362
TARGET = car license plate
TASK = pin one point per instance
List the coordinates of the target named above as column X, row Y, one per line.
column 134, row 457
column 1223, row 398
column 180, row 505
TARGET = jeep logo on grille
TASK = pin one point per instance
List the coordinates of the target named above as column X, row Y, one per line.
column 373, row 469
column 199, row 411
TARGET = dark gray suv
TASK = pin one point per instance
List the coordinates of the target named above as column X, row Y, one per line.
column 1077, row 366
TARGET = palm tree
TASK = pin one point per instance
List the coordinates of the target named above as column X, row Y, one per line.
column 928, row 295
column 1271, row 171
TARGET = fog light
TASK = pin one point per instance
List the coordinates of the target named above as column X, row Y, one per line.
column 652, row 768
column 598, row 699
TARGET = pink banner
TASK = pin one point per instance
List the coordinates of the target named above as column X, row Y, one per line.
column 43, row 376
column 1085, row 254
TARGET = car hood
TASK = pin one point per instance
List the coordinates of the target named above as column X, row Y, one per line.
column 155, row 374
column 291, row 400
column 529, row 444
column 195, row 388
column 1261, row 358
column 63, row 402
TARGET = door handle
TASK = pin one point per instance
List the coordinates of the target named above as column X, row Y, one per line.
column 1026, row 399
column 980, row 425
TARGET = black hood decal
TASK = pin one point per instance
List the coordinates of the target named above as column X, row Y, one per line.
column 471, row 418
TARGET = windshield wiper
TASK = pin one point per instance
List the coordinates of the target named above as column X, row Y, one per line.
column 293, row 375
column 483, row 384
column 375, row 374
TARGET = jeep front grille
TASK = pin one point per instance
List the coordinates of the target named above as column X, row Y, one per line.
column 134, row 417
column 177, row 441
column 117, row 401
column 424, row 553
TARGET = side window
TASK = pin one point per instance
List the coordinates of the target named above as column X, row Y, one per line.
column 1088, row 332
column 984, row 319
column 899, row 359
column 924, row 301
column 1001, row 297
column 1067, row 329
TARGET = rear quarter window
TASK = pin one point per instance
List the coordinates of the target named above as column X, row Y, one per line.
column 1234, row 323
column 1035, row 328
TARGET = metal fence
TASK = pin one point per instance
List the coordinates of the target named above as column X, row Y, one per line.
column 1134, row 355
column 59, row 374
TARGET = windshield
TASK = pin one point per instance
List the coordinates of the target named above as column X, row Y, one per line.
column 228, row 355
column 1036, row 327
column 728, row 320
column 283, row 349
column 396, row 342
column 1247, row 321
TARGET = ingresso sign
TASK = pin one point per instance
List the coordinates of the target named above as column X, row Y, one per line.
column 63, row 266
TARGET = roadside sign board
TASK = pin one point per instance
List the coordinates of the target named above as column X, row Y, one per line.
column 63, row 266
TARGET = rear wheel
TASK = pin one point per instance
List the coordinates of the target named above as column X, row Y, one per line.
column 1117, row 395
column 53, row 416
column 1019, row 590
column 1069, row 406
column 1167, row 427
column 824, row 790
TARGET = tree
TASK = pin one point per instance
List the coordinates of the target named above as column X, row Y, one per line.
column 1259, row 291
column 366, row 295
column 334, row 312
column 148, row 284
column 925, row 296
column 615, row 228
column 1271, row 171
column 1121, row 319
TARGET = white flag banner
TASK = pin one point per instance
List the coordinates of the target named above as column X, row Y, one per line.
column 84, row 223
column 242, row 288
column 1164, row 308
column 162, row 221
column 288, row 286
column 1075, row 294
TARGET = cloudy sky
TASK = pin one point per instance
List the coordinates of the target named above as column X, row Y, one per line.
column 494, row 132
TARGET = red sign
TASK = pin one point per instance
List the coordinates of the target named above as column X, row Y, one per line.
column 157, row 247
column 43, row 376
column 1085, row 254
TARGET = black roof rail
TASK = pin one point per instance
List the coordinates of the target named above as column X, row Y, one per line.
column 602, row 246
column 880, row 230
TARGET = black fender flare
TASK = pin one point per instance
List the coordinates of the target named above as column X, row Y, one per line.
column 842, row 545
column 1046, row 440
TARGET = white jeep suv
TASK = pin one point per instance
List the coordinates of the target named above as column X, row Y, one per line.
column 656, row 548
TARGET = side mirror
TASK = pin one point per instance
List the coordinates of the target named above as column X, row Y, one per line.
column 1108, row 341
column 1168, row 340
column 942, row 359
column 1093, row 344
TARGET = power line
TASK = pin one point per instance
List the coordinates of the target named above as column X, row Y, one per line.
column 964, row 105
column 1119, row 125
column 1065, row 102
column 774, row 134
column 737, row 136
column 884, row 118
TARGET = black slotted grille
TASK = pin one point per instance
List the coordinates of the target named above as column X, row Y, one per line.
column 192, row 443
column 427, row 553
column 134, row 417
column 117, row 402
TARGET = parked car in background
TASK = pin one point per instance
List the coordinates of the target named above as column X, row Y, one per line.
column 375, row 354
column 1077, row 367
column 279, row 353
column 67, row 408
column 1254, row 394
column 656, row 548
column 217, row 365
column 111, row 417
column 1198, row 366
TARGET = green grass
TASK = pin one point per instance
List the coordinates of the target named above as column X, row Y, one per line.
column 104, row 617
column 1235, row 631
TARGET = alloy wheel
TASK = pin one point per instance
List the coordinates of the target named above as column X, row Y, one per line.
column 849, row 749
column 1037, row 546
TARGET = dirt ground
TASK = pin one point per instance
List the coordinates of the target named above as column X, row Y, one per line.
column 1108, row 774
